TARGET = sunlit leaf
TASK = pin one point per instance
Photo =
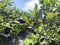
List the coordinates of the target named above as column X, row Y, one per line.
column 47, row 2
column 35, row 9
column 58, row 5
column 31, row 11
column 50, row 15
column 28, row 41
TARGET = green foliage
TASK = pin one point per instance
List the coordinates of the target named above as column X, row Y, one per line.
column 28, row 41
column 50, row 15
column 58, row 5
column 34, row 11
column 42, row 22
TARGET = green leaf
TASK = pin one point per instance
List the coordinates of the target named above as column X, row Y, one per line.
column 47, row 2
column 31, row 11
column 41, row 1
column 50, row 15
column 25, row 18
column 40, row 14
column 35, row 9
column 58, row 5
column 28, row 41
column 1, row 17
